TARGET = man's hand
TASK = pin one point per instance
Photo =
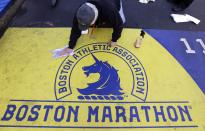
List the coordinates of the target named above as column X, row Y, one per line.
column 66, row 51
column 58, row 53
column 112, row 44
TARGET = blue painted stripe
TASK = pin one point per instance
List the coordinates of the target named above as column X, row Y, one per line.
column 3, row 5
column 193, row 63
column 55, row 101
column 182, row 126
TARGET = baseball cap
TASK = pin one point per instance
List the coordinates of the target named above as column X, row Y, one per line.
column 85, row 16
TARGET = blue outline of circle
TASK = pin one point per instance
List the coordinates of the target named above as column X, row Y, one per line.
column 106, row 52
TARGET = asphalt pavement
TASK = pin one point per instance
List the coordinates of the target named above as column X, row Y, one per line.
column 155, row 15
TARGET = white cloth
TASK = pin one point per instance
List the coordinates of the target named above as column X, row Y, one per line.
column 57, row 53
column 179, row 18
column 146, row 1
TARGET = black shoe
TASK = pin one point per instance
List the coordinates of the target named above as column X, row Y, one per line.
column 177, row 9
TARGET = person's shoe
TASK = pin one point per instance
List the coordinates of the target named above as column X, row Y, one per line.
column 177, row 9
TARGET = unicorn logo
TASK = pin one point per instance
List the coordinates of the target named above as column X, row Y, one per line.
column 108, row 83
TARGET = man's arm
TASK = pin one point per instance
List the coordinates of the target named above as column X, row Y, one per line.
column 117, row 25
column 75, row 34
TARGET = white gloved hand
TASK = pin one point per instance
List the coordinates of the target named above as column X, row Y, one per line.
column 62, row 52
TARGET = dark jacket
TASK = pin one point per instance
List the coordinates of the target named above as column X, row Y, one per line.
column 108, row 12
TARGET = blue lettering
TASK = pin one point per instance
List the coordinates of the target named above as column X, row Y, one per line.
column 171, row 117
column 184, row 111
column 107, row 114
column 115, row 49
column 23, row 109
column 75, row 56
column 95, row 47
column 120, row 112
column 140, row 90
column 134, row 113
column 146, row 108
column 84, row 50
column 120, row 51
column 48, row 108
column 62, row 90
column 62, row 108
column 75, row 113
column 93, row 112
column 159, row 113
column 124, row 54
column 34, row 111
column 9, row 112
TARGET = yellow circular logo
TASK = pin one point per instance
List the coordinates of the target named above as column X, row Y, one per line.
column 97, row 72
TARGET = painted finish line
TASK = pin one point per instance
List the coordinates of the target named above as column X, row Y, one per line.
column 16, row 126
column 86, row 115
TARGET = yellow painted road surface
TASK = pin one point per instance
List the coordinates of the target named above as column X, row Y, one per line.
column 39, row 92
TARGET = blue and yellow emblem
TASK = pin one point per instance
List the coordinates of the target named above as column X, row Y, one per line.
column 101, row 87
column 100, row 73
